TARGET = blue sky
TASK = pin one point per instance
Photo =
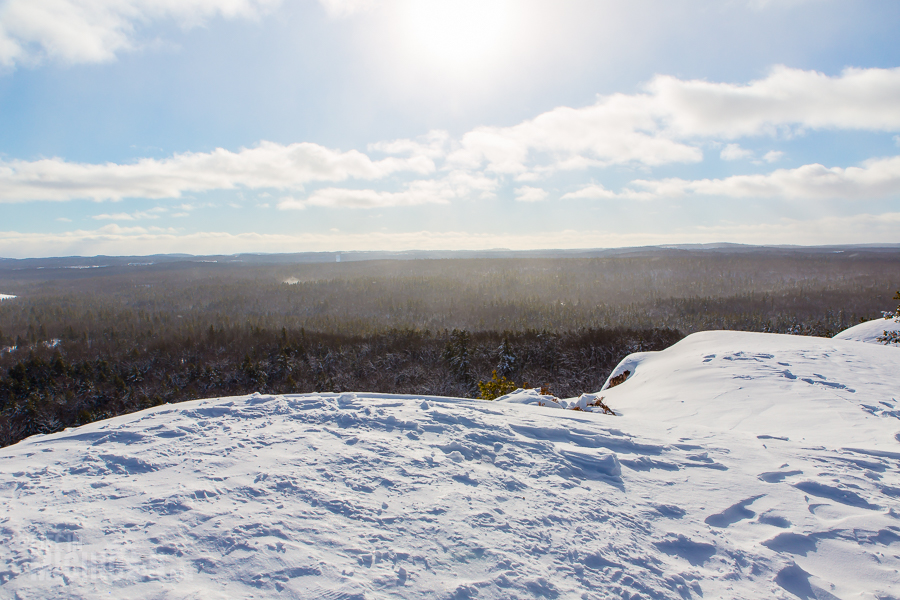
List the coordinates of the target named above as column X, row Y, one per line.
column 224, row 126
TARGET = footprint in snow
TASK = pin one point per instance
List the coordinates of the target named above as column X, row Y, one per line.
column 768, row 518
column 792, row 543
column 733, row 514
column 828, row 492
column 777, row 476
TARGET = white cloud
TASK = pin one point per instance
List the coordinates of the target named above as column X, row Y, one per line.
column 345, row 8
column 530, row 194
column 268, row 165
column 735, row 152
column 189, row 207
column 456, row 185
column 114, row 217
column 897, row 139
column 433, row 145
column 346, row 198
column 115, row 240
column 665, row 124
column 153, row 213
column 878, row 178
column 619, row 129
column 64, row 220
column 79, row 31
column 658, row 127
column 785, row 100
column 596, row 191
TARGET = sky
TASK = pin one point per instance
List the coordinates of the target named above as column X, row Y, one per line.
column 139, row 127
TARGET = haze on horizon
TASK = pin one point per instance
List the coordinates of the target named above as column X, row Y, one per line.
column 134, row 127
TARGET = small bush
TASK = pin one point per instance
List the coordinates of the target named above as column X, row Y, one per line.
column 891, row 337
column 495, row 387
column 599, row 403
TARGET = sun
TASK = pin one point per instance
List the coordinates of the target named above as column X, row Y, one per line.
column 458, row 34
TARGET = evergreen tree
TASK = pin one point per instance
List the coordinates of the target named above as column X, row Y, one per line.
column 457, row 354
column 896, row 314
column 891, row 337
column 507, row 364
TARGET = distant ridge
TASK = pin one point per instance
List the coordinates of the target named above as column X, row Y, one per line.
column 76, row 262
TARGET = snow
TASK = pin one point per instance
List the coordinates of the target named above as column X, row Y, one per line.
column 812, row 389
column 869, row 331
column 536, row 398
column 742, row 466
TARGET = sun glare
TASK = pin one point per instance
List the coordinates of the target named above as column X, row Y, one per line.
column 459, row 34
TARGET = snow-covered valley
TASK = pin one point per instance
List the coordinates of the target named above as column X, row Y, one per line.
column 739, row 465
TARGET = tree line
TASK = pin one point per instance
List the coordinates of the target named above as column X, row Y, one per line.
column 81, row 345
column 75, row 382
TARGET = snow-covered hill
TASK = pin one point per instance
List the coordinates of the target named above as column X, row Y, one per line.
column 869, row 331
column 740, row 466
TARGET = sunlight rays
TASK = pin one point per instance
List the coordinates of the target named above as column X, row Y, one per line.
column 458, row 35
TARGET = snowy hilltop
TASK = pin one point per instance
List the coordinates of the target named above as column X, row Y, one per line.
column 872, row 332
column 738, row 465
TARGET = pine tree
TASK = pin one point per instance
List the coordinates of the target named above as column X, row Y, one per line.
column 507, row 364
column 896, row 314
column 456, row 354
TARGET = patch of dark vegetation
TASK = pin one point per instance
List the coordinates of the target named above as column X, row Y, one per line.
column 619, row 379
column 83, row 380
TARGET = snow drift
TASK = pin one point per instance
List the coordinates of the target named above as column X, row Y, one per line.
column 742, row 466
column 869, row 331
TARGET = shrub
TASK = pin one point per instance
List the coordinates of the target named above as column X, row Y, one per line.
column 599, row 403
column 495, row 387
column 891, row 337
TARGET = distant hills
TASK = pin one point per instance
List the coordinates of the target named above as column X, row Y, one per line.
column 95, row 262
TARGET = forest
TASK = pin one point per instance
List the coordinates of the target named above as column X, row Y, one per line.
column 88, row 339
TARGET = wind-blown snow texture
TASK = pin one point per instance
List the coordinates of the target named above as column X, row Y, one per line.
column 742, row 466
